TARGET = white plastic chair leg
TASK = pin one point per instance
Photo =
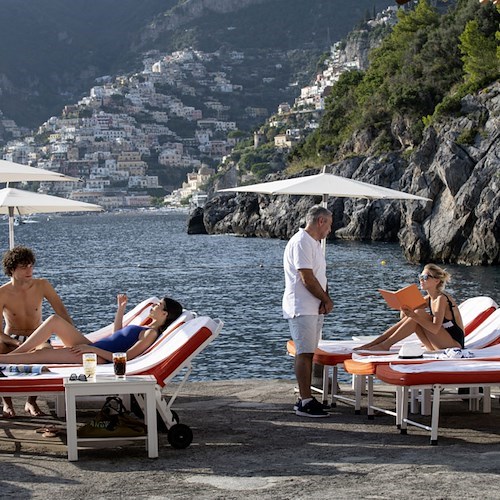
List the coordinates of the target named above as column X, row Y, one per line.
column 404, row 409
column 487, row 399
column 335, row 378
column 60, row 406
column 435, row 414
column 426, row 399
column 369, row 398
column 414, row 400
column 326, row 380
column 357, row 382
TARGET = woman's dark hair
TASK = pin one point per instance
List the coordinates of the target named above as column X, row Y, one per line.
column 18, row 256
column 174, row 310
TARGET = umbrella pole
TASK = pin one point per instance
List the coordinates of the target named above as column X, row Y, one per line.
column 11, row 228
column 324, row 204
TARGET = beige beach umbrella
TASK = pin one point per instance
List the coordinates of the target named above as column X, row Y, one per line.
column 16, row 172
column 16, row 201
column 326, row 185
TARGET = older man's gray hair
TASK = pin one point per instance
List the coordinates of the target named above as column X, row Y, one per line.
column 314, row 213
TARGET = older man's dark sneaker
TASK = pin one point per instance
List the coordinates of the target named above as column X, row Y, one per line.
column 313, row 409
column 297, row 403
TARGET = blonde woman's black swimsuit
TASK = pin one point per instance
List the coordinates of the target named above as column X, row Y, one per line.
column 450, row 325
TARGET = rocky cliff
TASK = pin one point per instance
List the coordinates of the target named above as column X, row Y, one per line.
column 358, row 45
column 456, row 166
column 190, row 10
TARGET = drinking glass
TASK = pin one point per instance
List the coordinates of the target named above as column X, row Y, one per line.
column 120, row 364
column 89, row 364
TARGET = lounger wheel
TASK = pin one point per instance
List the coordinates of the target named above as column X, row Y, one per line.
column 180, row 436
column 434, row 442
column 162, row 425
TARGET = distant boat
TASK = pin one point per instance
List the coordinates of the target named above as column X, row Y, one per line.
column 29, row 219
column 26, row 219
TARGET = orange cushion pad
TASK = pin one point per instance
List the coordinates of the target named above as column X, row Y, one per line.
column 387, row 374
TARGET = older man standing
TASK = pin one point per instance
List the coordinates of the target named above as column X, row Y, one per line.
column 306, row 301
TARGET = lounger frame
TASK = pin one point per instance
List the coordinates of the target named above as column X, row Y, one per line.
column 402, row 404
column 164, row 370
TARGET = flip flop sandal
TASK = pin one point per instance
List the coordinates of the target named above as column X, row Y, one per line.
column 48, row 428
column 35, row 414
column 8, row 413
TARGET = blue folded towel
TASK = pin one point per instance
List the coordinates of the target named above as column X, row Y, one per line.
column 22, row 369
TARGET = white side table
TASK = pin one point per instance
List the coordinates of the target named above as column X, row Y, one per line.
column 108, row 386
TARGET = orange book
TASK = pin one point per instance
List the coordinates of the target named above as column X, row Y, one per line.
column 408, row 296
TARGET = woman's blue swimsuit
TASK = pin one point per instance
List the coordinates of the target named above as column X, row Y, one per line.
column 121, row 340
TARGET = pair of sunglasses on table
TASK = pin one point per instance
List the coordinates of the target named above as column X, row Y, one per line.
column 81, row 377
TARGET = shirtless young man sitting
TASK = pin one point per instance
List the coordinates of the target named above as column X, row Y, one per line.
column 21, row 306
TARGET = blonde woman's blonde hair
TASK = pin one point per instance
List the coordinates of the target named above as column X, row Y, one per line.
column 441, row 274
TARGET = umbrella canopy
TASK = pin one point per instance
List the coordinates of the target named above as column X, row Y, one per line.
column 14, row 201
column 15, row 172
column 327, row 185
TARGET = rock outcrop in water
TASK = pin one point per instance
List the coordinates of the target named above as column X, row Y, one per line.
column 456, row 166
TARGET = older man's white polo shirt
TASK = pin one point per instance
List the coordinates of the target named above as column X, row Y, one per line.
column 302, row 252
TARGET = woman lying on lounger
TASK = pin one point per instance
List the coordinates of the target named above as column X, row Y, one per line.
column 441, row 328
column 132, row 339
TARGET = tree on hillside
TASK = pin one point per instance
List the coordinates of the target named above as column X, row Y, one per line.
column 396, row 82
column 415, row 73
column 479, row 55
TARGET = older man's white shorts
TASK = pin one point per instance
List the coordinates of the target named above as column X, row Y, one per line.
column 306, row 332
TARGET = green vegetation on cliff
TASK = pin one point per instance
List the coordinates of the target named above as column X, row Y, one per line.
column 420, row 71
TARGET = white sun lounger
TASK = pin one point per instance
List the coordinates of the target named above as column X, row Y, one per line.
column 435, row 376
column 364, row 365
column 170, row 355
column 332, row 354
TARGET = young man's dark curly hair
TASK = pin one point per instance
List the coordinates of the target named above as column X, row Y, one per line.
column 18, row 256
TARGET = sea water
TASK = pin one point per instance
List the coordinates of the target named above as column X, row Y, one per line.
column 90, row 258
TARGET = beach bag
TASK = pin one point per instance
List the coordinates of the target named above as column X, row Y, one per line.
column 113, row 420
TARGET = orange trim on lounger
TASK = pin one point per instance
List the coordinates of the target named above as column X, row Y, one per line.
column 393, row 377
column 321, row 357
column 358, row 368
column 27, row 384
column 470, row 327
column 161, row 371
column 161, row 337
column 165, row 368
column 330, row 359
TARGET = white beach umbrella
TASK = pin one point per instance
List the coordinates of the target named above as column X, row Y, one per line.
column 16, row 201
column 326, row 185
column 16, row 172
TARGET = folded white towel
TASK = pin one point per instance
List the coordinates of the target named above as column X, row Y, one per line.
column 455, row 353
